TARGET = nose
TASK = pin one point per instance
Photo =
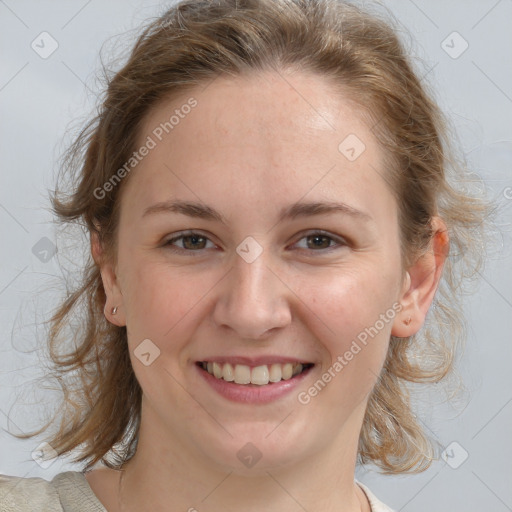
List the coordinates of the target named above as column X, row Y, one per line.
column 253, row 300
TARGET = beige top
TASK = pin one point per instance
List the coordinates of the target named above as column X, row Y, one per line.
column 70, row 492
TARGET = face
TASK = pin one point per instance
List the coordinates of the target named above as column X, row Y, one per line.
column 250, row 285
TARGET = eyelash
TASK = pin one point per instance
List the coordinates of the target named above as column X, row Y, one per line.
column 168, row 244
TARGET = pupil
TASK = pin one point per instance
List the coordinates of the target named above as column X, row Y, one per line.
column 319, row 237
column 194, row 239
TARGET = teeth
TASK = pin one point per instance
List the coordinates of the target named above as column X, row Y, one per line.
column 275, row 373
column 259, row 375
column 217, row 370
column 242, row 374
column 227, row 373
column 287, row 371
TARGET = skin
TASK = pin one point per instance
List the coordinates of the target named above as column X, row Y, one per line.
column 250, row 147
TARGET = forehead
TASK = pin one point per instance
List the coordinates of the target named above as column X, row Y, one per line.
column 266, row 134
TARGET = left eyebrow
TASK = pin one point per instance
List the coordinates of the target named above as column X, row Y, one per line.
column 316, row 208
column 201, row 211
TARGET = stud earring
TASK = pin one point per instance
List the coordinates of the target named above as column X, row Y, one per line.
column 114, row 310
column 408, row 321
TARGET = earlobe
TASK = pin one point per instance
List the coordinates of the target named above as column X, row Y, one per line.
column 112, row 310
column 403, row 324
column 421, row 283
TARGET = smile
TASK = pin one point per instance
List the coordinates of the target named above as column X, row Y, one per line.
column 258, row 375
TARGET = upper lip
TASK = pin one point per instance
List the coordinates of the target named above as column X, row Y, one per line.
column 255, row 361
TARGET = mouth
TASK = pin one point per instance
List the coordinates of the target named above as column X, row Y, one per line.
column 262, row 375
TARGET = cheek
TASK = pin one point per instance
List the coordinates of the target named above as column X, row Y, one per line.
column 158, row 299
column 162, row 304
column 353, row 317
column 348, row 300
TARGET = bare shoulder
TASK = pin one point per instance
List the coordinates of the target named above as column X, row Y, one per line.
column 19, row 494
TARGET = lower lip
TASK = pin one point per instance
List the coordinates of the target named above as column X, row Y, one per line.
column 252, row 393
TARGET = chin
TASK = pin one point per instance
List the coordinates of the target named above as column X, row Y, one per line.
column 254, row 450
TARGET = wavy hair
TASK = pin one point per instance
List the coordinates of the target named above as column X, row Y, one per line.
column 192, row 43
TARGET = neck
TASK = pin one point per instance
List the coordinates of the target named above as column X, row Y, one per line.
column 164, row 471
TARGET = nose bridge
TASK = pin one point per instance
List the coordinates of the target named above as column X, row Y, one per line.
column 252, row 280
column 253, row 298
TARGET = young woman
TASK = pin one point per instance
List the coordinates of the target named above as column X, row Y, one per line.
column 265, row 187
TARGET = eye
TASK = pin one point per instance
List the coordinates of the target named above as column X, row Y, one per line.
column 193, row 242
column 320, row 240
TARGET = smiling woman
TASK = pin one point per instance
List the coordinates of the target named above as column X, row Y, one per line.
column 259, row 282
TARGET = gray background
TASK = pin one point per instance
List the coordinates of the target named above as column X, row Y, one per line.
column 41, row 100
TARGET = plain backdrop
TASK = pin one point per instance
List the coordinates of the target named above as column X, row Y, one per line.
column 465, row 50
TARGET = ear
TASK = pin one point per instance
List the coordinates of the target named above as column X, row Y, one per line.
column 110, row 284
column 421, row 282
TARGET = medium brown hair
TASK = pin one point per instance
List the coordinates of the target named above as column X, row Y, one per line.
column 192, row 43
